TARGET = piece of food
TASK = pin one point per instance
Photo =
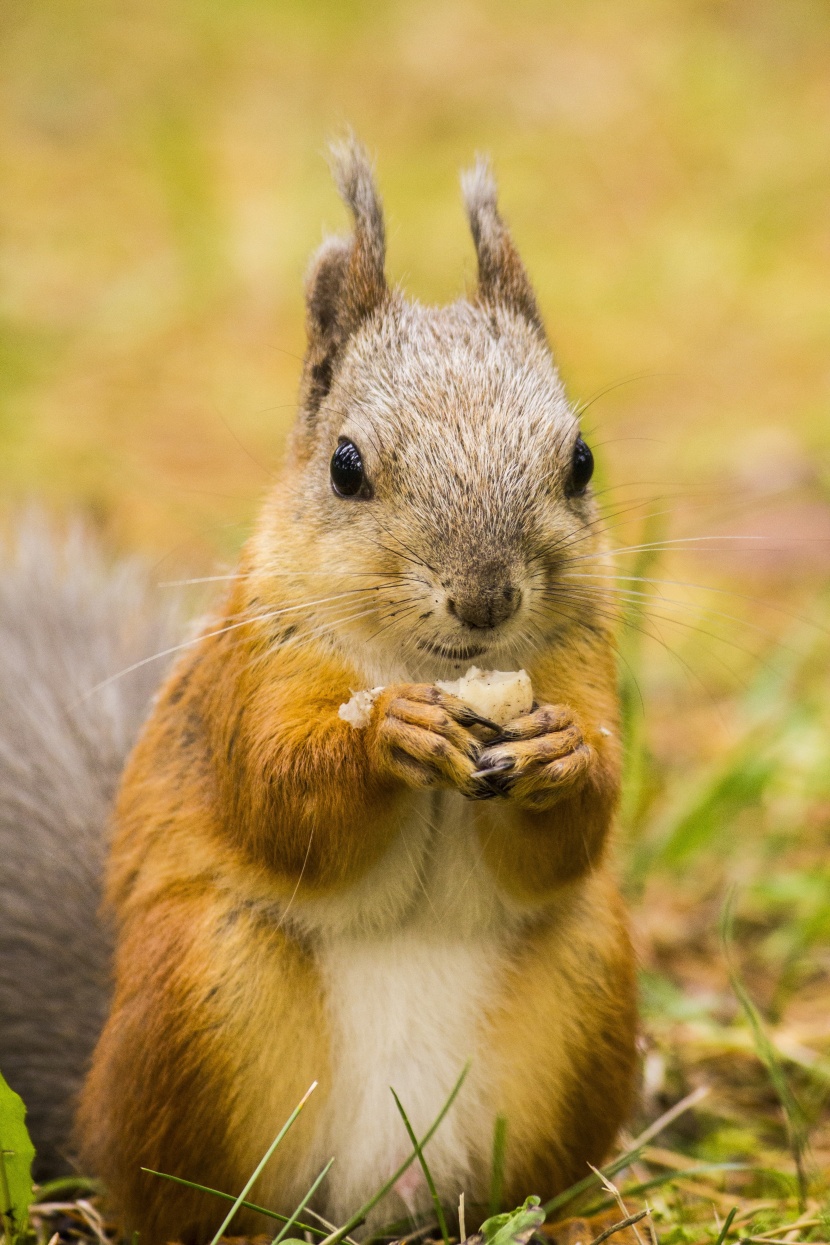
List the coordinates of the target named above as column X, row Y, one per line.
column 500, row 695
column 358, row 710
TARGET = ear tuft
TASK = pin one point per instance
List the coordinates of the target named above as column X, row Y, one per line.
column 502, row 278
column 478, row 186
column 353, row 175
column 346, row 281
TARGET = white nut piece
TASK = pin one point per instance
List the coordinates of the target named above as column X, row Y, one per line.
column 358, row 710
column 499, row 695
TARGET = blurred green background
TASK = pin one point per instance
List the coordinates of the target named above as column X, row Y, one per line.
column 665, row 166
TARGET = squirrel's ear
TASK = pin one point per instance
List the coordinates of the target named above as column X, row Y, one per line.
column 346, row 282
column 501, row 274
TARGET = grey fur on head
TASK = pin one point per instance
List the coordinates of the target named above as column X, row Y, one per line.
column 347, row 284
column 67, row 623
column 466, row 442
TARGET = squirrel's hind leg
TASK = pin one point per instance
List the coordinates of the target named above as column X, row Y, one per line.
column 563, row 1043
column 200, row 1064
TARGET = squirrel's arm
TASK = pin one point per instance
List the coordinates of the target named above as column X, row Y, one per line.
column 246, row 755
column 558, row 769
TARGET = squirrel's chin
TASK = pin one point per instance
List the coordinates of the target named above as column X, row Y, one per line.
column 433, row 660
column 425, row 659
column 454, row 650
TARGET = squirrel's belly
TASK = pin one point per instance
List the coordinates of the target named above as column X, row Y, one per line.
column 407, row 1010
column 411, row 960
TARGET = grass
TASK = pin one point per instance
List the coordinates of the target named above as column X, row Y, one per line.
column 664, row 168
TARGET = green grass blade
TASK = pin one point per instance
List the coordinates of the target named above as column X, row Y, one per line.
column 737, row 782
column 398, row 1229
column 640, row 1142
column 588, row 1182
column 220, row 1232
column 439, row 1210
column 358, row 1218
column 230, row 1197
column 497, row 1170
column 795, row 1118
column 727, row 1224
column 258, row 1169
column 289, row 1223
column 54, row 1190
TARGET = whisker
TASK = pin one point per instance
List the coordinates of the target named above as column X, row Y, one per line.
column 383, row 610
column 313, row 604
column 603, row 525
column 202, row 579
column 396, row 553
column 271, row 574
column 713, row 635
column 581, row 407
column 682, row 540
column 248, row 620
column 679, row 583
column 323, row 630
column 391, row 622
column 418, row 559
column 689, row 671
column 167, row 652
column 632, row 595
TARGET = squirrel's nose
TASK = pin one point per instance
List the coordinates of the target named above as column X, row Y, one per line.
column 486, row 605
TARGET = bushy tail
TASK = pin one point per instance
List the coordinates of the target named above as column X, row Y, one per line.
column 67, row 624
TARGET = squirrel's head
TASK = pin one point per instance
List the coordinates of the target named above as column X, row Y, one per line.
column 438, row 486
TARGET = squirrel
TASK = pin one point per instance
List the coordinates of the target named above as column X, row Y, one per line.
column 297, row 900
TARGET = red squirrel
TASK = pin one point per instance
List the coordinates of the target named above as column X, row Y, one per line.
column 296, row 899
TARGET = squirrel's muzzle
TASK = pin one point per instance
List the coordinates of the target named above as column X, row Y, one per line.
column 486, row 600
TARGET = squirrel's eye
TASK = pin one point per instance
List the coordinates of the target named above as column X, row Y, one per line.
column 582, row 467
column 347, row 475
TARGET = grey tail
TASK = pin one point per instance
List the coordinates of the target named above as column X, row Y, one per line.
column 67, row 624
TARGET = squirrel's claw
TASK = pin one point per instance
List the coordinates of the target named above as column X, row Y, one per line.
column 464, row 715
column 481, row 793
column 496, row 776
column 468, row 717
column 421, row 739
column 537, row 758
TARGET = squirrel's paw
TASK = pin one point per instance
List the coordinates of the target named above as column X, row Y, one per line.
column 537, row 758
column 424, row 739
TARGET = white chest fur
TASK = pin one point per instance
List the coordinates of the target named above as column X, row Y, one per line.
column 411, row 961
column 406, row 1011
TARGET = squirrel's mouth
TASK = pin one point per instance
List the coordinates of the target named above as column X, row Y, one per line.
column 452, row 653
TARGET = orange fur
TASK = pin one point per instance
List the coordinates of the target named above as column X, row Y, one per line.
column 562, row 1043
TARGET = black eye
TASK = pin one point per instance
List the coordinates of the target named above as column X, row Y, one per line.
column 347, row 474
column 582, row 467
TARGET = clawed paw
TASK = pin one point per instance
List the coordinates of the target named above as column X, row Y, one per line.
column 425, row 737
column 536, row 759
